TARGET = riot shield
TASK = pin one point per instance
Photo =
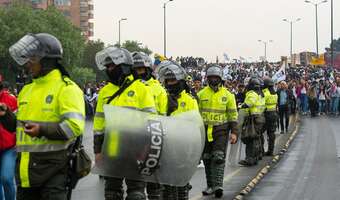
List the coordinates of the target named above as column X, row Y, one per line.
column 151, row 148
column 235, row 151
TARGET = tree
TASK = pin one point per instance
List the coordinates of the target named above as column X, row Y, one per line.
column 337, row 45
column 133, row 45
column 19, row 19
column 83, row 75
column 89, row 60
column 91, row 48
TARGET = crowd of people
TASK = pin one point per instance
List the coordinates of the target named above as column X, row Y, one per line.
column 234, row 101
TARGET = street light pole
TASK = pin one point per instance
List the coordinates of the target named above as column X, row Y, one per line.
column 316, row 21
column 332, row 35
column 317, row 29
column 291, row 34
column 164, row 7
column 265, row 47
column 122, row 19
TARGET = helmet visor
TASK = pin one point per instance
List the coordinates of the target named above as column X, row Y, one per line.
column 26, row 48
column 112, row 55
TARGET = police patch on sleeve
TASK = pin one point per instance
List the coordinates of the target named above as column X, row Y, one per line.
column 131, row 93
column 49, row 99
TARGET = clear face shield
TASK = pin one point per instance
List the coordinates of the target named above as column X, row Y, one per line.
column 118, row 56
column 25, row 49
column 170, row 71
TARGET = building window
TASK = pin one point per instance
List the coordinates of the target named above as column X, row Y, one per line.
column 67, row 13
column 36, row 1
column 62, row 2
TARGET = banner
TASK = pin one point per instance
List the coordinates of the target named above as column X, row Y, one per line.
column 280, row 75
column 318, row 61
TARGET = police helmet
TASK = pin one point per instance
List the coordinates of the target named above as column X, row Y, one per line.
column 268, row 82
column 140, row 59
column 117, row 56
column 41, row 45
column 254, row 83
column 215, row 70
column 170, row 70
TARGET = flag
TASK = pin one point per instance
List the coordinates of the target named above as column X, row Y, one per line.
column 226, row 57
column 225, row 72
column 280, row 75
column 331, row 78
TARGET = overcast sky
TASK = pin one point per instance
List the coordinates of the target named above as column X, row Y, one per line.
column 209, row 28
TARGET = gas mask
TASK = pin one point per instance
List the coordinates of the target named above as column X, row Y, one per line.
column 116, row 76
column 174, row 89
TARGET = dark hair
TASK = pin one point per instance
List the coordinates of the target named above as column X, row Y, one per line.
column 52, row 63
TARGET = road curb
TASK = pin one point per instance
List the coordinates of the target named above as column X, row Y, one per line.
column 270, row 165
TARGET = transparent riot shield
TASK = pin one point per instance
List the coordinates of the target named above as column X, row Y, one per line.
column 151, row 148
column 235, row 151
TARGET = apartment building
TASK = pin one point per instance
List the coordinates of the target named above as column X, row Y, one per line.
column 80, row 12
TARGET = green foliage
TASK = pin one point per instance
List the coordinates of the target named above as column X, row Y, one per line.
column 132, row 46
column 91, row 48
column 82, row 75
column 89, row 60
column 337, row 45
column 20, row 19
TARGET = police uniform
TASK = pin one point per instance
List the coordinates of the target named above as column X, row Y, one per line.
column 136, row 96
column 185, row 103
column 271, row 119
column 219, row 112
column 255, row 108
column 160, row 96
column 57, row 105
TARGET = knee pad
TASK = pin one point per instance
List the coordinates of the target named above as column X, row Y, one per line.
column 206, row 156
column 218, row 157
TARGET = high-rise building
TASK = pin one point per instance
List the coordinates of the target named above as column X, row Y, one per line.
column 80, row 12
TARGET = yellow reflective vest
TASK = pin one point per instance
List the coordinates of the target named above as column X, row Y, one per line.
column 255, row 102
column 50, row 99
column 185, row 103
column 159, row 94
column 270, row 99
column 217, row 108
column 136, row 96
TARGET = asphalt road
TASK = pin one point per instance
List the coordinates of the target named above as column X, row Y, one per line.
column 310, row 170
column 92, row 188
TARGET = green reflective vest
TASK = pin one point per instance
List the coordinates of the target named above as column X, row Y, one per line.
column 159, row 94
column 136, row 96
column 185, row 103
column 271, row 100
column 255, row 102
column 48, row 99
column 217, row 108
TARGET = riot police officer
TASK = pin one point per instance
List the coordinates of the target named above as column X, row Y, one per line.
column 173, row 78
column 271, row 116
column 51, row 115
column 142, row 69
column 253, row 106
column 125, row 91
column 219, row 111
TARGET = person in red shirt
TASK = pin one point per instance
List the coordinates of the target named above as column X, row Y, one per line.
column 7, row 146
